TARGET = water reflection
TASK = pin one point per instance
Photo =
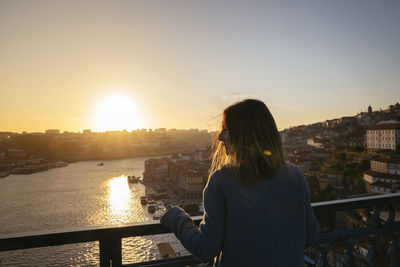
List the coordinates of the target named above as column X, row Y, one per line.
column 119, row 200
column 79, row 195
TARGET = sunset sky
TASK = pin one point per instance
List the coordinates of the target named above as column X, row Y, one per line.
column 106, row 65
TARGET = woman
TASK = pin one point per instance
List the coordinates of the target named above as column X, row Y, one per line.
column 257, row 208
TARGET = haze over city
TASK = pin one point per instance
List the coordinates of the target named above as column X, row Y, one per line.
column 112, row 65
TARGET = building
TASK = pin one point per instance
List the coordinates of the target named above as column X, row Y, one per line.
column 384, row 136
column 332, row 123
column 156, row 169
column 386, row 165
column 191, row 183
column 357, row 138
column 365, row 119
column 348, row 121
column 384, row 176
column 53, row 131
column 315, row 142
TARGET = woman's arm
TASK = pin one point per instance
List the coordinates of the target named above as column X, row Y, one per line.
column 205, row 241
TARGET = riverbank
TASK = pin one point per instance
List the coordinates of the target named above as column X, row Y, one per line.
column 31, row 166
column 193, row 206
column 34, row 165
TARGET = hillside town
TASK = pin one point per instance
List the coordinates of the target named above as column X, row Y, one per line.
column 345, row 158
column 341, row 158
column 32, row 152
column 179, row 179
column 349, row 155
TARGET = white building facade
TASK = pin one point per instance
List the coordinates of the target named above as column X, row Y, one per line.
column 384, row 176
column 383, row 136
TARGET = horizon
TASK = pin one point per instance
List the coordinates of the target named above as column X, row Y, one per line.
column 167, row 129
column 114, row 65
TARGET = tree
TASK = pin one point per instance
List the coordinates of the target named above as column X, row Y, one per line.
column 364, row 165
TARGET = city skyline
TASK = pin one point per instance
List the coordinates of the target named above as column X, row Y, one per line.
column 74, row 65
column 162, row 129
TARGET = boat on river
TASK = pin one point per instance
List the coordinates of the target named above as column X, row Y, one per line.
column 133, row 179
column 151, row 206
column 143, row 200
column 156, row 217
column 100, row 164
column 4, row 174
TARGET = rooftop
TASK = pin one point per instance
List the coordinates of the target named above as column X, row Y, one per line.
column 383, row 175
column 388, row 126
column 387, row 160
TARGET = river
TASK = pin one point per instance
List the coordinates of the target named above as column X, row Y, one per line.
column 79, row 195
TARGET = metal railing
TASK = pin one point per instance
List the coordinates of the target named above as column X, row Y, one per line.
column 110, row 238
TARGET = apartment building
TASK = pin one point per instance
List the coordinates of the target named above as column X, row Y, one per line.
column 385, row 135
column 191, row 183
column 384, row 176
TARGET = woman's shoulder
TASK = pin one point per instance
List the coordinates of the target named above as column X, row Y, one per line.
column 223, row 175
column 291, row 172
column 288, row 167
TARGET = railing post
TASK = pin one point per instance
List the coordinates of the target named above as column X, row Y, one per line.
column 372, row 241
column 323, row 259
column 348, row 257
column 377, row 215
column 116, row 251
column 105, row 251
column 391, row 216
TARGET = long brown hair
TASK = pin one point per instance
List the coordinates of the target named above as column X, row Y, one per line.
column 256, row 148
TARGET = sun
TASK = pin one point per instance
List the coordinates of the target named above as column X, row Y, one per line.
column 117, row 112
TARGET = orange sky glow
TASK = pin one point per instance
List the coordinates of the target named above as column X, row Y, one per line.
column 113, row 65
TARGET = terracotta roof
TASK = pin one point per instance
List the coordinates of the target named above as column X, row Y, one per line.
column 391, row 160
column 389, row 126
column 383, row 175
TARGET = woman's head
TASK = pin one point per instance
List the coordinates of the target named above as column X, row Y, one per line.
column 249, row 142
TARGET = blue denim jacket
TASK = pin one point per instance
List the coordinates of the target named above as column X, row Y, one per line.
column 260, row 225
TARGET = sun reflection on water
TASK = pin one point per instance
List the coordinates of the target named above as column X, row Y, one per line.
column 119, row 198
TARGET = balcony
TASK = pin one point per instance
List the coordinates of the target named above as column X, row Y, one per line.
column 383, row 225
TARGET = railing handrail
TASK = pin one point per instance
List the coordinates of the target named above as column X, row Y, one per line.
column 89, row 234
column 110, row 237
column 355, row 203
column 80, row 235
